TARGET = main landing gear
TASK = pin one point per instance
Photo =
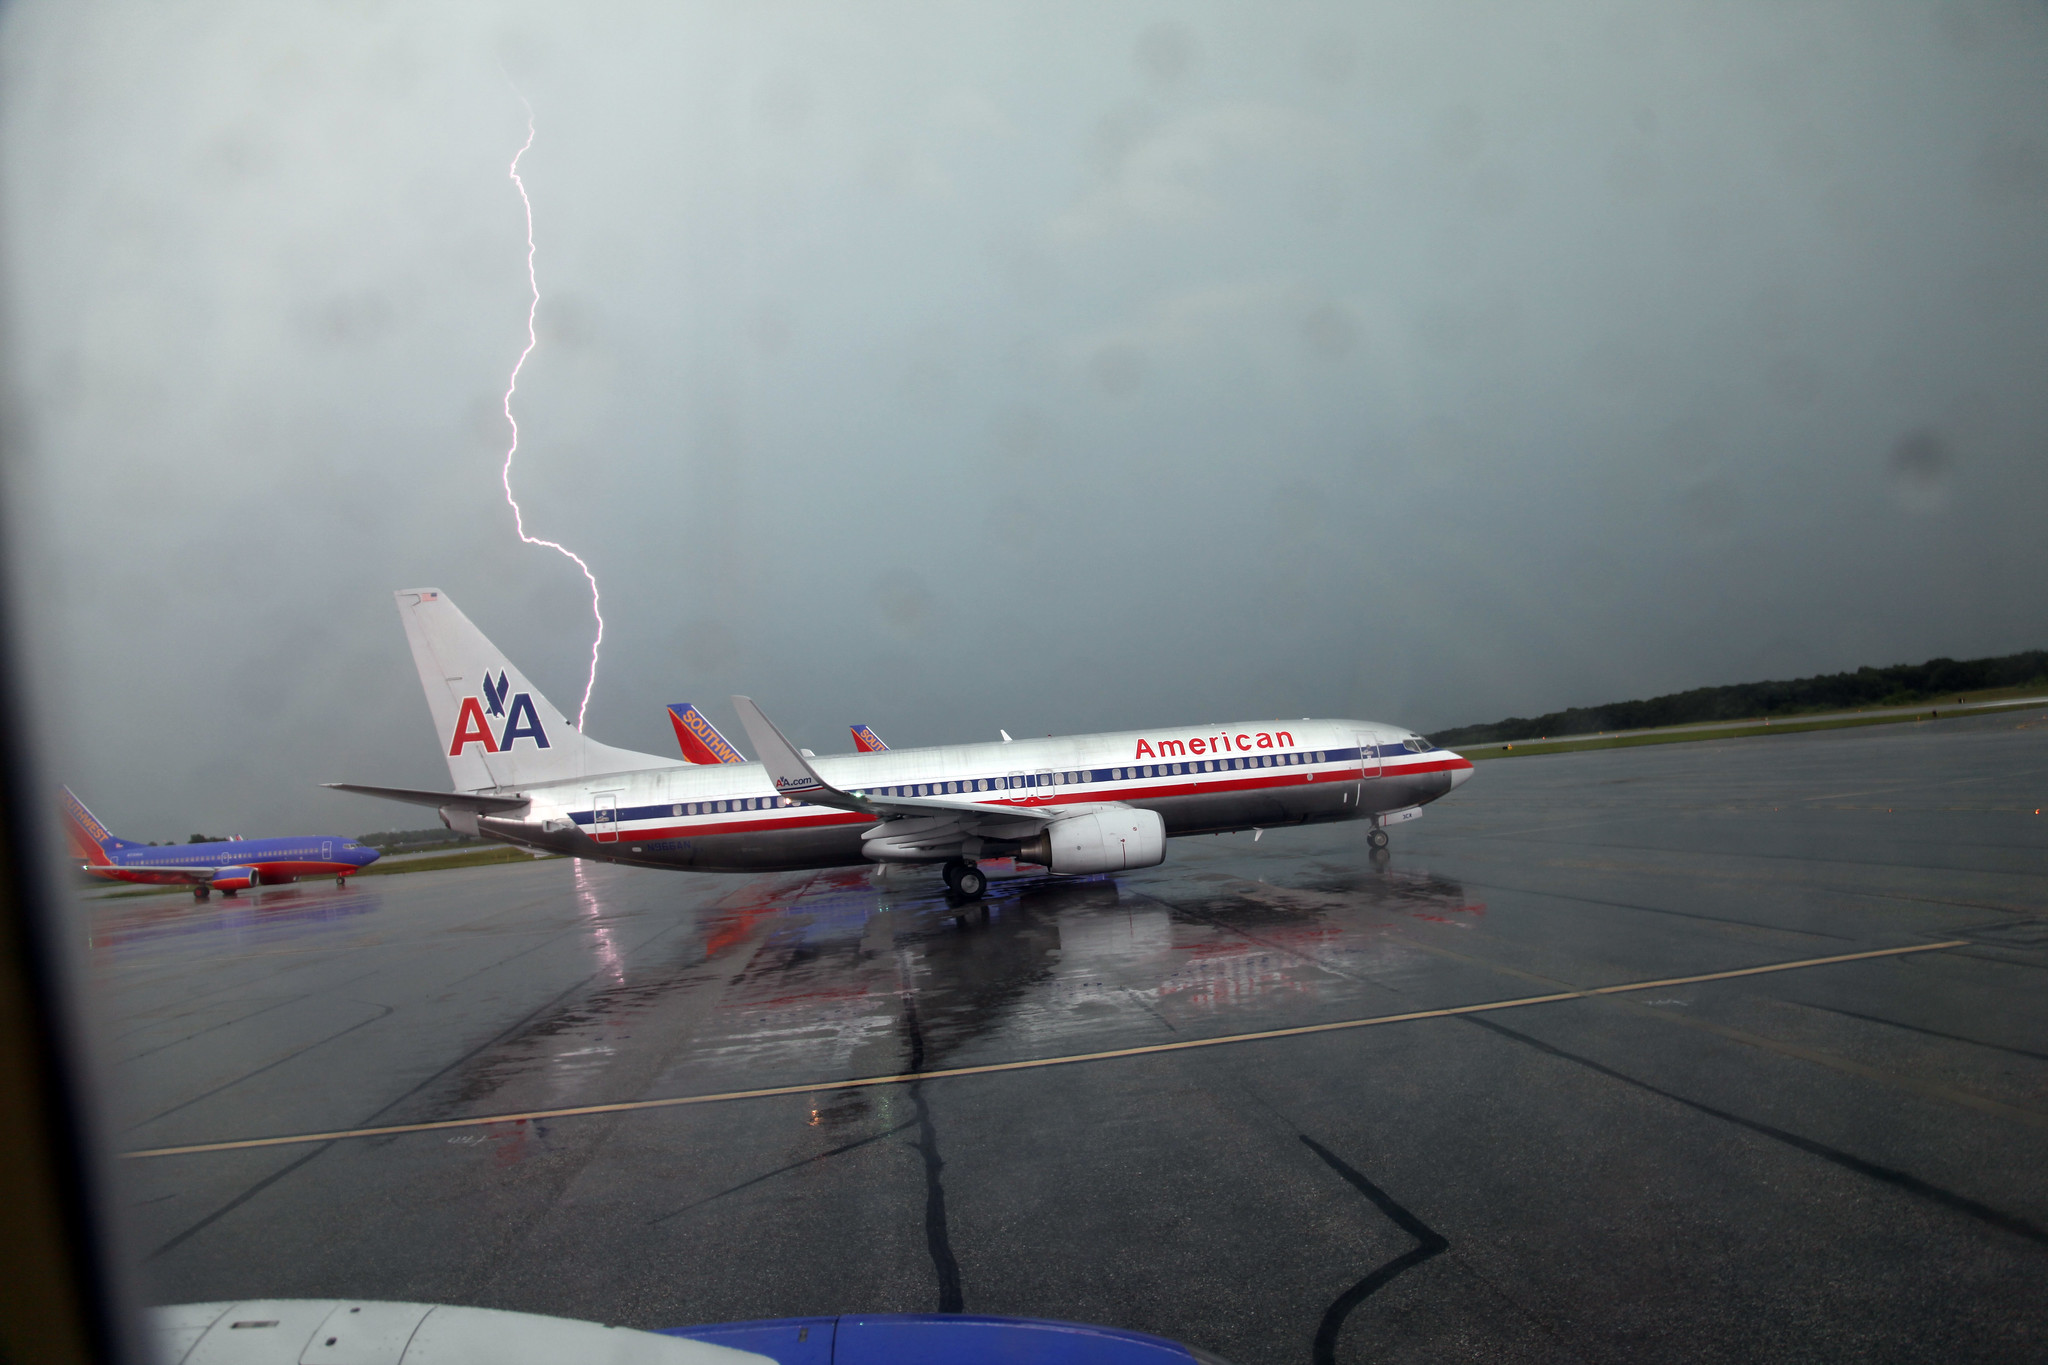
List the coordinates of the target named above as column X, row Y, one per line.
column 341, row 880
column 964, row 879
column 200, row 893
column 1377, row 838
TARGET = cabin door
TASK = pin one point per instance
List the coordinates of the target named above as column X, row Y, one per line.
column 1368, row 758
column 604, row 823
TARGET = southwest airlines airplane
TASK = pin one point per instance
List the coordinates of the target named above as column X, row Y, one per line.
column 700, row 741
column 1090, row 803
column 226, row 866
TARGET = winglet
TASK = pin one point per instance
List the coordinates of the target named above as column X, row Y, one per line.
column 792, row 775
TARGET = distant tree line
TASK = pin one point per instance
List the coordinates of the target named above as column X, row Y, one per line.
column 1899, row 685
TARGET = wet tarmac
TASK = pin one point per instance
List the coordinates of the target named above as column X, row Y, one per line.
column 1840, row 1160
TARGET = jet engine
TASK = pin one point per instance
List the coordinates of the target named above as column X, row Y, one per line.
column 1103, row 841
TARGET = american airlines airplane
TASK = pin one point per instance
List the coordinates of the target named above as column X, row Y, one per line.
column 1083, row 804
column 226, row 866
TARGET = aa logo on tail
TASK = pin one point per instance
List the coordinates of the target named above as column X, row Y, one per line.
column 521, row 720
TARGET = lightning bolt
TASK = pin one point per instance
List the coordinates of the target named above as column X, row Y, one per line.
column 512, row 387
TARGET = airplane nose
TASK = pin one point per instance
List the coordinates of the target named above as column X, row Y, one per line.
column 1459, row 776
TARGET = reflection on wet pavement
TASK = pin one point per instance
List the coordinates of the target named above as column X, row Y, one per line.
column 1234, row 1196
column 251, row 919
column 810, row 976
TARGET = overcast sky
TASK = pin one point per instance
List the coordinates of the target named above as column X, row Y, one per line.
column 1058, row 368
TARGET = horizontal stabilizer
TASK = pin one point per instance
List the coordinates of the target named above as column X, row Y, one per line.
column 482, row 805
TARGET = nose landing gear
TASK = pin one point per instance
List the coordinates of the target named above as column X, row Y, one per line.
column 964, row 879
column 1377, row 838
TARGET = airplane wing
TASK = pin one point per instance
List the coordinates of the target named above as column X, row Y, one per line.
column 482, row 805
column 795, row 778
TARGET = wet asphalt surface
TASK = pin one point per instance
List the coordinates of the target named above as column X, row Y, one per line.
column 1846, row 1161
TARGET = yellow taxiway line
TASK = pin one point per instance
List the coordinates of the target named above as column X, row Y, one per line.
column 1032, row 1063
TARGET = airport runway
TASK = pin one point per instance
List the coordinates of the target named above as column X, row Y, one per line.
column 1843, row 1159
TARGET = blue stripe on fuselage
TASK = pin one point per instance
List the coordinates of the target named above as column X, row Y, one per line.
column 1083, row 777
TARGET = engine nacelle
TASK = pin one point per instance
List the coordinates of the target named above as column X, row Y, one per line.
column 234, row 879
column 1103, row 841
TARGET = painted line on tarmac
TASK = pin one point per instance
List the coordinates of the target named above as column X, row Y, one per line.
column 1032, row 1063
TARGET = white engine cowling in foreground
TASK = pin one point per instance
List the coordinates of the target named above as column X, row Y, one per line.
column 291, row 1331
column 1104, row 841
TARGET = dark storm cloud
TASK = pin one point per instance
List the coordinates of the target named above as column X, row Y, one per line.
column 954, row 367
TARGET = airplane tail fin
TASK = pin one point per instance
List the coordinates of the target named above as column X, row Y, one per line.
column 89, row 839
column 494, row 726
column 867, row 741
column 698, row 738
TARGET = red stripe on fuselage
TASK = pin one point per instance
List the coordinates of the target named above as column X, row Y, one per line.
column 1206, row 785
column 162, row 874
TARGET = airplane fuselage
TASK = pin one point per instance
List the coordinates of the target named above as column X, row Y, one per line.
column 273, row 860
column 1204, row 780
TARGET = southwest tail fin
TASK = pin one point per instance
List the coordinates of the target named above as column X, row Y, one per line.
column 89, row 839
column 698, row 738
column 494, row 726
column 867, row 741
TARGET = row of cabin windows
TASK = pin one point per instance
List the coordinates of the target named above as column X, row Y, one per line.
column 986, row 784
column 1211, row 765
column 722, row 807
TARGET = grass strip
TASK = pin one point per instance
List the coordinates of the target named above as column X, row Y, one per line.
column 1524, row 748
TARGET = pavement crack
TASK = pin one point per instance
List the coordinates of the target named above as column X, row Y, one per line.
column 291, row 1056
column 244, row 1197
column 938, row 1240
column 1429, row 1243
column 1903, row 1180
column 826, row 1155
column 1930, row 1032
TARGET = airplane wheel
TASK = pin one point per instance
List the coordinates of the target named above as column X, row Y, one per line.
column 229, row 894
column 200, row 893
column 1378, row 838
column 965, row 879
column 341, row 881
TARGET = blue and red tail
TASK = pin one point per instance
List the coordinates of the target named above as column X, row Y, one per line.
column 699, row 738
column 89, row 839
column 868, row 741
